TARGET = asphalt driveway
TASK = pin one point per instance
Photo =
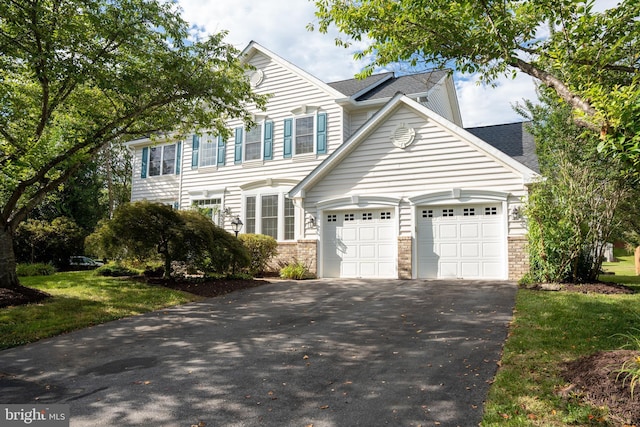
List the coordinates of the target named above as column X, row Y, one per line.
column 322, row 353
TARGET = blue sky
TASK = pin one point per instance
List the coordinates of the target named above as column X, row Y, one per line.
column 280, row 26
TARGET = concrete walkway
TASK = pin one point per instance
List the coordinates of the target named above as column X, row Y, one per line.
column 322, row 353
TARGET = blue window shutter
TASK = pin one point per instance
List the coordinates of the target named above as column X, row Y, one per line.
column 238, row 146
column 178, row 157
column 268, row 140
column 222, row 151
column 321, row 134
column 145, row 162
column 194, row 151
column 288, row 137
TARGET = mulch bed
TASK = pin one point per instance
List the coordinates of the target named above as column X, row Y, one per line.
column 21, row 296
column 209, row 288
column 597, row 381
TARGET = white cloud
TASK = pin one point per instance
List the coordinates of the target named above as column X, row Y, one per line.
column 484, row 105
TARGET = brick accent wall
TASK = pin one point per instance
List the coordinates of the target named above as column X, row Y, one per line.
column 304, row 251
column 404, row 257
column 518, row 257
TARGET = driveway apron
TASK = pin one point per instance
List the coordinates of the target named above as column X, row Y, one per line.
column 321, row 353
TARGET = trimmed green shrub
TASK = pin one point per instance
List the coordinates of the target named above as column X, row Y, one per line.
column 114, row 269
column 261, row 250
column 37, row 269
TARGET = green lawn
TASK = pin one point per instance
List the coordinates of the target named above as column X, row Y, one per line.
column 80, row 299
column 551, row 328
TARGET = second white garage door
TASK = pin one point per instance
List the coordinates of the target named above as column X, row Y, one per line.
column 359, row 243
column 462, row 241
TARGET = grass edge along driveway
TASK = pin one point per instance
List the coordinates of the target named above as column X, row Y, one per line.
column 80, row 299
column 549, row 329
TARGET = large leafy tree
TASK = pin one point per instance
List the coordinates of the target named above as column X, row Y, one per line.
column 78, row 74
column 574, row 211
column 590, row 59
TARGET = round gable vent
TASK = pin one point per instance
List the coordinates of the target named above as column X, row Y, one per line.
column 256, row 78
column 403, row 136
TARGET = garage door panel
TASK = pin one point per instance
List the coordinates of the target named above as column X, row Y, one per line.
column 360, row 243
column 469, row 231
column 447, row 231
column 462, row 241
column 470, row 250
column 367, row 233
column 491, row 230
column 448, row 250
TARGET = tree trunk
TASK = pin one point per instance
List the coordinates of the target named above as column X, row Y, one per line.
column 637, row 258
column 8, row 276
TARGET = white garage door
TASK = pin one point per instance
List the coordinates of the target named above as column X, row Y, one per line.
column 359, row 243
column 462, row 241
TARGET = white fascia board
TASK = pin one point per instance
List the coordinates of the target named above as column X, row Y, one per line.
column 255, row 46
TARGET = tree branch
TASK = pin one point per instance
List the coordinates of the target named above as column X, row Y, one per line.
column 561, row 89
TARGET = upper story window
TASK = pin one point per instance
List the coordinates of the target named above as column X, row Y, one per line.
column 305, row 134
column 255, row 143
column 160, row 160
column 207, row 150
column 304, row 127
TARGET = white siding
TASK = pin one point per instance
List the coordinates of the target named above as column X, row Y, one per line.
column 289, row 91
column 437, row 160
column 438, row 101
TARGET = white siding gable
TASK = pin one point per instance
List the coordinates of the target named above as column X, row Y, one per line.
column 438, row 159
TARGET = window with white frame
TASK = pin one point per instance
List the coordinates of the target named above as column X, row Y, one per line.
column 250, row 214
column 162, row 160
column 253, row 143
column 304, row 131
column 211, row 208
column 269, row 217
column 289, row 219
column 208, row 150
column 270, row 214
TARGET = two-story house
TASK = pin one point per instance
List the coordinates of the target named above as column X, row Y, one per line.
column 370, row 178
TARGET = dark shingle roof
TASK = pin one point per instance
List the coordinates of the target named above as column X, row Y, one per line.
column 513, row 140
column 352, row 86
column 409, row 84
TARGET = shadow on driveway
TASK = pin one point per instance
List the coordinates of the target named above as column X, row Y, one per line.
column 320, row 352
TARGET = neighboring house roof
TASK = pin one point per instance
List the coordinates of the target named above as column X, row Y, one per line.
column 377, row 119
column 386, row 85
column 513, row 140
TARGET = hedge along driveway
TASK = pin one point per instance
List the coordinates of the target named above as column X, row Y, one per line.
column 322, row 352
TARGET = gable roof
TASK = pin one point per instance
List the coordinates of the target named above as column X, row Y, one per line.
column 335, row 158
column 350, row 87
column 513, row 140
column 254, row 47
